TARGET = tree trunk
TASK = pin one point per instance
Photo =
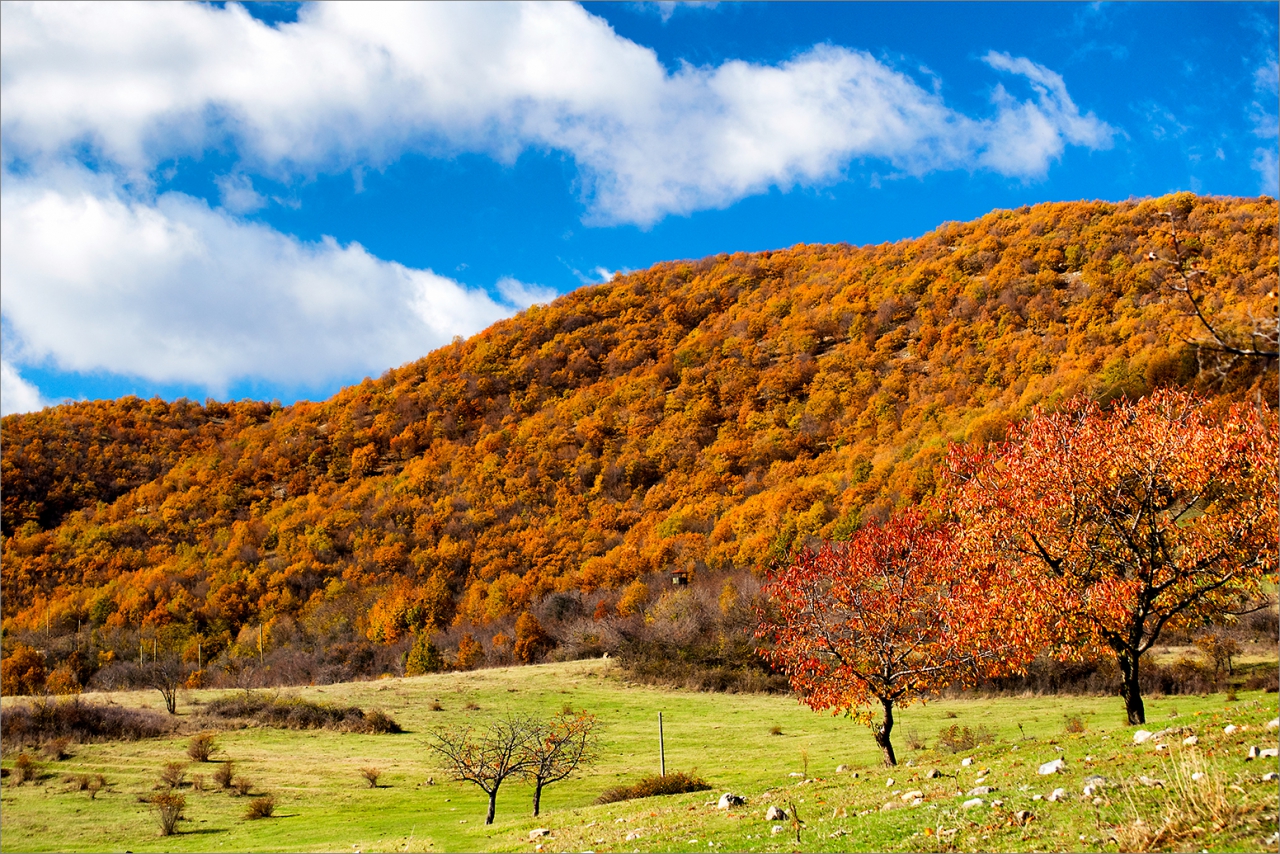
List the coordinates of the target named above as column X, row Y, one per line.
column 493, row 806
column 537, row 797
column 1130, row 689
column 882, row 733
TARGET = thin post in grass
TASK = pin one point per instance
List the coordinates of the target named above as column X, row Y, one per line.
column 662, row 750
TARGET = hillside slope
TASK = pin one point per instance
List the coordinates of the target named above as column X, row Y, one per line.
column 697, row 415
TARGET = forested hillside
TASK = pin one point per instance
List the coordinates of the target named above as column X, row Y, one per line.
column 699, row 415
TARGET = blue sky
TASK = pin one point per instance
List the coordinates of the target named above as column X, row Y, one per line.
column 273, row 202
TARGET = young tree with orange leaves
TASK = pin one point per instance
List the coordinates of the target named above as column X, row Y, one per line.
column 1154, row 514
column 888, row 617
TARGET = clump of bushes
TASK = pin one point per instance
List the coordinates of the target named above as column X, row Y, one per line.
column 263, row 807
column 24, row 769
column 371, row 775
column 55, row 749
column 91, row 783
column 676, row 783
column 956, row 738
column 75, row 720
column 242, row 785
column 1074, row 724
column 298, row 713
column 173, row 774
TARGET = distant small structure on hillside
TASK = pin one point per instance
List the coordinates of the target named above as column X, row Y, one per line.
column 679, row 577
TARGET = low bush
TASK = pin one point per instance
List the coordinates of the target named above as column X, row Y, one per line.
column 200, row 747
column 297, row 713
column 168, row 807
column 24, row 769
column 956, row 738
column 242, row 785
column 224, row 775
column 1074, row 724
column 676, row 783
column 55, row 749
column 371, row 775
column 173, row 774
column 263, row 807
column 79, row 721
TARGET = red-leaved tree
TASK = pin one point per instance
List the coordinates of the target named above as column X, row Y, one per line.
column 888, row 617
column 1151, row 515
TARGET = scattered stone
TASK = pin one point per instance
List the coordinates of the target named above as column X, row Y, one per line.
column 633, row 835
column 776, row 829
column 1054, row 767
column 1142, row 736
column 729, row 799
column 539, row 832
column 1151, row 782
column 981, row 790
column 1190, row 741
column 795, row 774
column 1274, row 723
column 1252, row 754
column 839, row 812
column 971, row 803
column 1037, row 797
column 888, row 783
column 1089, row 791
column 1269, row 753
column 981, row 780
column 840, row 769
column 1023, row 816
column 1198, row 776
column 891, row 805
column 1230, row 729
column 1095, row 780
column 836, row 834
column 1097, row 802
column 1269, row 776
column 1162, row 747
column 933, row 774
column 967, row 761
column 997, row 803
column 912, row 795
column 1056, row 795
column 775, row 814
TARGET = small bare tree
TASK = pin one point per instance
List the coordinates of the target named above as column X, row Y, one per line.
column 557, row 748
column 488, row 756
column 167, row 675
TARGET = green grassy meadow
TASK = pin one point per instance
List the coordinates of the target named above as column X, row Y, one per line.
column 323, row 804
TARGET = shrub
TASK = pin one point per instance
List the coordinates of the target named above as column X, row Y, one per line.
column 242, row 785
column 224, row 775
column 198, row 782
column 200, row 747
column 435, row 706
column 371, row 774
column 956, row 738
column 168, row 807
column 377, row 722
column 1074, row 724
column 775, row 730
column 78, row 721
column 263, row 807
column 472, row 706
column 173, row 774
column 676, row 783
column 97, row 784
column 915, row 741
column 55, row 749
column 24, row 769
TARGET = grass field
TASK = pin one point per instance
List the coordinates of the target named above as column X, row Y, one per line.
column 325, row 805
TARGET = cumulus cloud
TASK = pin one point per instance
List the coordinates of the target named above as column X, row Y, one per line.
column 175, row 291
column 16, row 394
column 348, row 85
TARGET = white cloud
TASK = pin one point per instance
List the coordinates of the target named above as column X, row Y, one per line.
column 238, row 195
column 350, row 85
column 16, row 394
column 174, row 291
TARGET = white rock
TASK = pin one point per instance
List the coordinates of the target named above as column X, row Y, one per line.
column 539, row 832
column 776, row 829
column 1096, row 801
column 1190, row 741
column 1230, row 729
column 1269, row 776
column 912, row 795
column 917, row 802
column 775, row 814
column 1053, row 767
column 840, row 769
column 1141, row 736
column 1162, row 747
column 888, row 783
column 729, row 799
column 1151, row 782
column 980, row 780
column 967, row 761
column 981, row 790
column 1198, row 776
column 795, row 774
column 1088, row 791
column 1057, row 795
column 1252, row 754
column 1036, row 797
column 1268, row 753
column 997, row 803
column 933, row 774
column 1274, row 723
column 633, row 835
column 971, row 803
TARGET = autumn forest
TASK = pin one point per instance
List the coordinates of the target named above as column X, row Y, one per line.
column 530, row 492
